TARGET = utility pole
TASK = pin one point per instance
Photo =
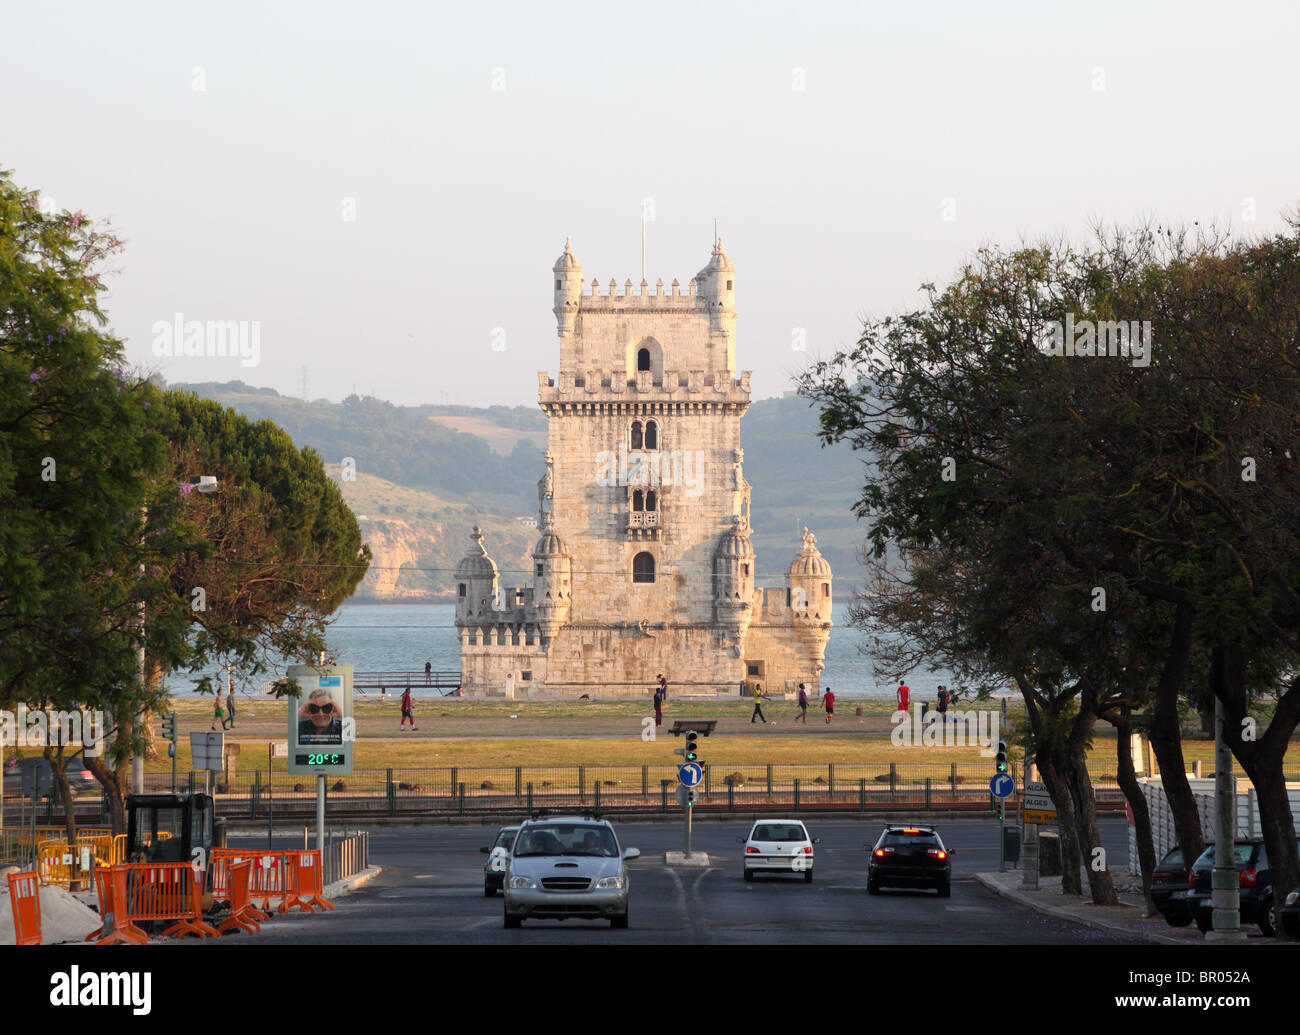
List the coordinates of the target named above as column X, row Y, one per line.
column 1226, row 885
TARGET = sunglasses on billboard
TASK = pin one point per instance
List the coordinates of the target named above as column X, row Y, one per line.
column 316, row 709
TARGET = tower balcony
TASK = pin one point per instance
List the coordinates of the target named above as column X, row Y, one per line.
column 643, row 524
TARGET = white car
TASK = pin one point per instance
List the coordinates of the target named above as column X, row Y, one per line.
column 779, row 845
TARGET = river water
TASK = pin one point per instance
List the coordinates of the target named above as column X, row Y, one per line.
column 404, row 636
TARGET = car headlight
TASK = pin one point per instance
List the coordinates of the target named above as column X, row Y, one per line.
column 615, row 882
column 1293, row 898
column 522, row 882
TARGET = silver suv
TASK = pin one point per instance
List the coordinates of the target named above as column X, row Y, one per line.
column 567, row 866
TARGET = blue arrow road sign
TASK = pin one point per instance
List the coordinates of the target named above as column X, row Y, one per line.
column 690, row 774
column 1001, row 785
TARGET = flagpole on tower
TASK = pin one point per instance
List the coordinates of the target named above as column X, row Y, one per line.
column 643, row 241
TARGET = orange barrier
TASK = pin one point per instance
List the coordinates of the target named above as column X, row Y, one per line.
column 25, row 902
column 269, row 880
column 242, row 913
column 305, row 879
column 111, row 883
column 165, row 891
column 58, row 862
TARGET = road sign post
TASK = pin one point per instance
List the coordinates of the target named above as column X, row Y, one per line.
column 1001, row 784
column 689, row 775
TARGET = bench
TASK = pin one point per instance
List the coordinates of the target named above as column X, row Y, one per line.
column 702, row 726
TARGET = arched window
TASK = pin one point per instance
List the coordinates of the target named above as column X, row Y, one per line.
column 643, row 568
column 636, row 435
column 650, row 500
column 643, row 359
column 638, row 500
column 651, row 435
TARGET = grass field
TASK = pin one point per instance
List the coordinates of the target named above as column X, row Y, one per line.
column 568, row 733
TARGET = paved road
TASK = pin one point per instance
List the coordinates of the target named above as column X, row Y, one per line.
column 431, row 892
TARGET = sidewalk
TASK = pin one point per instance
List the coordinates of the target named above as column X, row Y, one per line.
column 1126, row 918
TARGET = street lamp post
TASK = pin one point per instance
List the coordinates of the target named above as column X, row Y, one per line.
column 205, row 483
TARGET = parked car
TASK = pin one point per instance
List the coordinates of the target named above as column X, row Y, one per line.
column 1169, row 889
column 909, row 855
column 498, row 853
column 779, row 846
column 1255, row 882
column 564, row 867
column 1290, row 914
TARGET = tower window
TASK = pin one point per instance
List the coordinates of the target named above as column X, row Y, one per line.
column 638, row 500
column 643, row 568
column 460, row 590
column 651, row 434
column 643, row 359
column 728, row 285
column 636, row 435
column 826, row 589
column 539, row 569
column 650, row 500
column 557, row 285
column 744, row 569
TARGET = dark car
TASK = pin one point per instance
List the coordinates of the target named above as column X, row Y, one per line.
column 909, row 855
column 1254, row 881
column 1290, row 914
column 498, row 853
column 1169, row 889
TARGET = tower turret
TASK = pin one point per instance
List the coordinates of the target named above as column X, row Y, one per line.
column 733, row 583
column 476, row 583
column 552, row 585
column 568, row 290
column 810, row 598
column 716, row 287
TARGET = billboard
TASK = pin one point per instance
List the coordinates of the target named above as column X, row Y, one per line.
column 321, row 726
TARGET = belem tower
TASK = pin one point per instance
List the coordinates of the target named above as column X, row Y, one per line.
column 645, row 563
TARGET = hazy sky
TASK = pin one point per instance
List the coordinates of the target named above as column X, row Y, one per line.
column 849, row 151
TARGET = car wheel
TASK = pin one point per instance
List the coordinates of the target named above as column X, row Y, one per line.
column 1181, row 921
column 807, row 876
column 749, row 875
column 1205, row 923
column 1268, row 920
column 489, row 891
column 945, row 889
column 618, row 922
column 513, row 921
column 873, row 888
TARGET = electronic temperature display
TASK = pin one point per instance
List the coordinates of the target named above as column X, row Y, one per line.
column 321, row 727
column 320, row 759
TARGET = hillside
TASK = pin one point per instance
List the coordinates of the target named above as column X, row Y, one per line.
column 427, row 474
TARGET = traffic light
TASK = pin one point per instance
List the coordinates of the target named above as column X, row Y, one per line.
column 1002, row 764
column 169, row 726
column 691, row 754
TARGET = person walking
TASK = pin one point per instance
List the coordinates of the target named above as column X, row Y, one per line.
column 828, row 699
column 407, row 712
column 903, row 694
column 230, row 710
column 803, row 704
column 659, row 708
column 758, row 704
column 943, row 704
column 218, row 716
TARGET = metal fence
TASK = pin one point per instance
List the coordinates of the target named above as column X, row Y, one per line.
column 346, row 856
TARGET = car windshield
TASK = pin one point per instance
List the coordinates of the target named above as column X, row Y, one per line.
column 899, row 837
column 1173, row 859
column 779, row 832
column 1241, row 855
column 566, row 839
column 506, row 838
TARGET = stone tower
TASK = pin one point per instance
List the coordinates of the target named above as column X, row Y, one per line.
column 645, row 562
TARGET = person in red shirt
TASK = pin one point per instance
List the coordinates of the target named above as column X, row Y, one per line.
column 903, row 694
column 407, row 712
column 828, row 699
